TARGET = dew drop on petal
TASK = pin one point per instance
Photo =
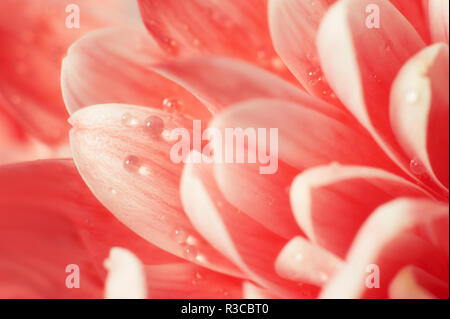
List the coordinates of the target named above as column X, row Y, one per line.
column 179, row 235
column 190, row 252
column 154, row 125
column 172, row 105
column 129, row 120
column 412, row 96
column 132, row 163
column 417, row 167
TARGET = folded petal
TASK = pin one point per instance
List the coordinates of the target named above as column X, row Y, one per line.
column 305, row 138
column 197, row 26
column 438, row 18
column 370, row 56
column 249, row 244
column 401, row 233
column 420, row 112
column 123, row 153
column 49, row 220
column 414, row 283
column 302, row 261
column 33, row 40
column 112, row 66
column 331, row 203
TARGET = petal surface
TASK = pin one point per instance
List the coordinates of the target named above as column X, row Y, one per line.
column 401, row 233
column 50, row 220
column 123, row 153
column 420, row 110
column 331, row 203
column 438, row 18
column 211, row 27
column 34, row 39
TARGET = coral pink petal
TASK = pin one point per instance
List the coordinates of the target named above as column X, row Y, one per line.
column 414, row 283
column 250, row 245
column 112, row 66
column 402, row 233
column 369, row 58
column 34, row 40
column 331, row 203
column 420, row 112
column 251, row 291
column 189, row 281
column 238, row 81
column 438, row 18
column 293, row 26
column 123, row 154
column 236, row 29
column 58, row 223
column 306, row 138
column 415, row 12
column 302, row 261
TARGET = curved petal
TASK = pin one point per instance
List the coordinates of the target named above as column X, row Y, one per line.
column 438, row 18
column 370, row 58
column 123, row 153
column 414, row 283
column 401, row 233
column 420, row 111
column 111, row 66
column 302, row 261
column 293, row 26
column 197, row 26
column 305, row 138
column 49, row 220
column 250, row 245
column 33, row 40
column 415, row 12
column 331, row 203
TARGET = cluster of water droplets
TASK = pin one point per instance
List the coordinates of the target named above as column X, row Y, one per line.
column 187, row 242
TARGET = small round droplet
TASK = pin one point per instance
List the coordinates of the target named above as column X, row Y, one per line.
column 323, row 276
column 172, row 105
column 180, row 235
column 132, row 163
column 154, row 125
column 113, row 191
column 190, row 252
column 129, row 120
column 314, row 76
column 417, row 167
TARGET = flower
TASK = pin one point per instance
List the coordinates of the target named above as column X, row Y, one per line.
column 357, row 209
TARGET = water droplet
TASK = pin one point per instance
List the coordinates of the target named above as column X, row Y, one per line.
column 198, row 276
column 277, row 64
column 154, row 125
column 314, row 76
column 129, row 120
column 190, row 252
column 412, row 97
column 172, row 105
column 180, row 235
column 132, row 163
column 113, row 191
column 417, row 167
column 323, row 276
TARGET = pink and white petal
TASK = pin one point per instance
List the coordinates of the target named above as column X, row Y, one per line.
column 370, row 59
column 211, row 27
column 58, row 223
column 302, row 261
column 438, row 19
column 331, row 202
column 249, row 244
column 238, row 81
column 33, row 40
column 111, row 66
column 420, row 112
column 402, row 233
column 414, row 283
column 306, row 138
column 123, row 154
column 293, row 26
column 188, row 281
column 251, row 291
